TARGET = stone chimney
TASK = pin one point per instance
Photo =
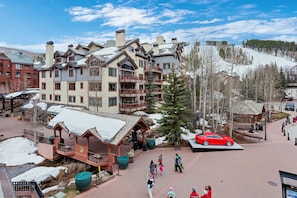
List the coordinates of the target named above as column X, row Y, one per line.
column 120, row 38
column 49, row 56
column 173, row 40
column 160, row 40
column 156, row 49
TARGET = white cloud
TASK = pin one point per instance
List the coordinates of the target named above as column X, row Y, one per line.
column 248, row 6
column 209, row 21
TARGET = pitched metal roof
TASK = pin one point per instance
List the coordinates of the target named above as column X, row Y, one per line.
column 19, row 57
column 247, row 107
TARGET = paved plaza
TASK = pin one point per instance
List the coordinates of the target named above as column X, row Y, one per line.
column 251, row 172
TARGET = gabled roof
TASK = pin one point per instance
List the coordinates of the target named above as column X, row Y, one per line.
column 247, row 107
column 109, row 128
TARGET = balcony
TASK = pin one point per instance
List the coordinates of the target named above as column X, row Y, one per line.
column 153, row 69
column 132, row 107
column 131, row 78
column 132, row 92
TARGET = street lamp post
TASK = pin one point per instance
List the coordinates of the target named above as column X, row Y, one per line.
column 265, row 135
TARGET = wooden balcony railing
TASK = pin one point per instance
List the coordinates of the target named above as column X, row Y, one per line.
column 132, row 107
column 153, row 69
column 132, row 91
column 131, row 78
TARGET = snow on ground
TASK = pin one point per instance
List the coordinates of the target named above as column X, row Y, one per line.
column 38, row 174
column 18, row 151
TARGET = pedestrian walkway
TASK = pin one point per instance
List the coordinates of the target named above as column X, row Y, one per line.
column 252, row 172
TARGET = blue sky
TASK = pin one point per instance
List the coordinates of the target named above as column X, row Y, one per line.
column 29, row 24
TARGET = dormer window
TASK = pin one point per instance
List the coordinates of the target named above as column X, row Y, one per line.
column 71, row 58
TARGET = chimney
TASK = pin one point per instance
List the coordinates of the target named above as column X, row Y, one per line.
column 49, row 56
column 173, row 40
column 120, row 38
column 156, row 49
column 21, row 54
column 160, row 40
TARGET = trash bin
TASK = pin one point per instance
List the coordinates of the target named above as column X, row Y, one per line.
column 51, row 139
column 123, row 161
column 83, row 180
column 150, row 144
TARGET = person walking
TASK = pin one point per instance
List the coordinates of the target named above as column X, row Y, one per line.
column 178, row 163
column 160, row 159
column 161, row 168
column 171, row 193
column 150, row 183
column 194, row 194
column 152, row 167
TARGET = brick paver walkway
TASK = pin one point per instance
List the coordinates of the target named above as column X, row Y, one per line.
column 252, row 172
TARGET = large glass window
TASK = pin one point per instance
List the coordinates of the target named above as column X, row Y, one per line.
column 43, row 74
column 57, row 98
column 95, row 86
column 112, row 102
column 43, row 85
column 97, row 102
column 70, row 72
column 71, row 86
column 112, row 72
column 112, row 86
column 94, row 71
column 18, row 66
column 57, row 86
column 71, row 99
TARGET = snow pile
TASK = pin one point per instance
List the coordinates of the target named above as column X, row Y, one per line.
column 22, row 150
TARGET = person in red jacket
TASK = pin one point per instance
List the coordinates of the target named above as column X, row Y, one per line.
column 205, row 194
column 194, row 194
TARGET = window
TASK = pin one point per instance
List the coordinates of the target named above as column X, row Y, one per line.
column 112, row 101
column 50, row 96
column 166, row 65
column 81, row 71
column 27, row 66
column 131, row 49
column 17, row 74
column 18, row 66
column 43, row 85
column 112, row 72
column 140, row 63
column 72, row 58
column 97, row 102
column 112, row 86
column 95, row 86
column 7, row 74
column 141, row 77
column 1, row 64
column 50, row 74
column 81, row 99
column 0, row 73
column 56, row 73
column 71, row 99
column 57, row 86
column 43, row 96
column 43, row 74
column 141, row 87
column 28, row 75
column 71, row 86
column 94, row 71
column 141, row 98
column 35, row 75
column 70, row 72
column 81, row 85
column 57, row 98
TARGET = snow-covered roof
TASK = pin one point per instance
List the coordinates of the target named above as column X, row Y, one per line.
column 18, row 93
column 107, row 127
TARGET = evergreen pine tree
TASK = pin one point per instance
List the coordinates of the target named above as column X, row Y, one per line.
column 176, row 109
column 150, row 100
